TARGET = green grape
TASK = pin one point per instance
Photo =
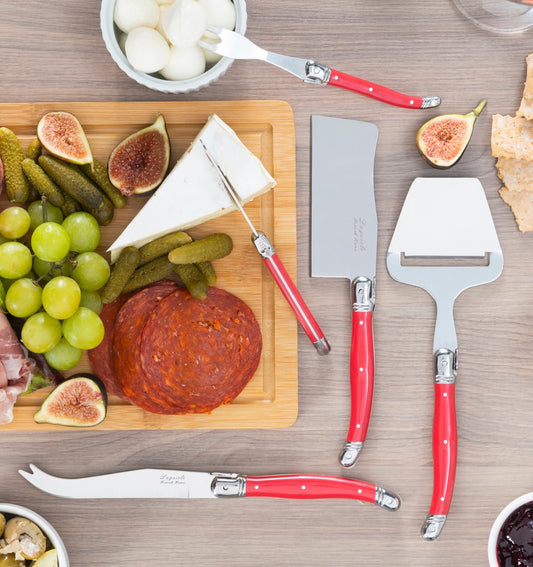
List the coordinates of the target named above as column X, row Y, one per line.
column 15, row 260
column 83, row 231
column 14, row 222
column 61, row 297
column 63, row 356
column 84, row 329
column 36, row 213
column 50, row 242
column 91, row 300
column 52, row 269
column 2, row 295
column 40, row 332
column 92, row 271
column 23, row 298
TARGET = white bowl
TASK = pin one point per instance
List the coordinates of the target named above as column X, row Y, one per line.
column 46, row 527
column 500, row 520
column 155, row 81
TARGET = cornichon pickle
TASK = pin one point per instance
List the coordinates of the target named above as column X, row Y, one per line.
column 17, row 186
column 206, row 249
column 72, row 181
column 98, row 173
column 120, row 274
column 104, row 213
column 40, row 180
column 162, row 246
column 193, row 279
column 208, row 271
column 150, row 273
column 70, row 205
column 34, row 150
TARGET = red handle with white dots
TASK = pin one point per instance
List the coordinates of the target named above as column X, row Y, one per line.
column 310, row 486
column 373, row 90
column 444, row 448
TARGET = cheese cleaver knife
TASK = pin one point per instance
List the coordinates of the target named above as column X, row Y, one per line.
column 344, row 244
column 161, row 483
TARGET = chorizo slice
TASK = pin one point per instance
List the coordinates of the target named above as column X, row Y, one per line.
column 196, row 354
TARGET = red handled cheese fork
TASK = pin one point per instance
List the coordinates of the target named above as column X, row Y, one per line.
column 277, row 269
column 236, row 46
column 442, row 221
column 160, row 483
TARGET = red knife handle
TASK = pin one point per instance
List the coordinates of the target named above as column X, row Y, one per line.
column 316, row 486
column 298, row 305
column 444, row 450
column 378, row 92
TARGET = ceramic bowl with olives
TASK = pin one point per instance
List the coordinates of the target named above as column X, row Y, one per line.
column 27, row 539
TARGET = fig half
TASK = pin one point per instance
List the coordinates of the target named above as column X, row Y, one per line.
column 61, row 134
column 80, row 401
column 139, row 163
column 443, row 139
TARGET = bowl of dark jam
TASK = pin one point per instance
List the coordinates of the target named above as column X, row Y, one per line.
column 511, row 536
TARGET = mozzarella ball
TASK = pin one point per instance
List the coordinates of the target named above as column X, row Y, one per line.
column 210, row 57
column 220, row 13
column 147, row 50
column 164, row 2
column 184, row 22
column 184, row 63
column 159, row 26
column 131, row 14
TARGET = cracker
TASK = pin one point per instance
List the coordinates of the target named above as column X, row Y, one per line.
column 526, row 105
column 512, row 137
column 521, row 203
column 516, row 174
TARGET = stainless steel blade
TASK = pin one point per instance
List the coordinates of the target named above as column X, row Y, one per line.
column 142, row 483
column 344, row 220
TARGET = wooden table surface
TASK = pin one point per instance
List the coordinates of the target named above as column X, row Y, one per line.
column 53, row 51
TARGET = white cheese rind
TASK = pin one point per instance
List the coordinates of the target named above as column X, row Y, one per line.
column 193, row 193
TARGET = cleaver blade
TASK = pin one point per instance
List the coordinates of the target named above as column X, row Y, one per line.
column 344, row 244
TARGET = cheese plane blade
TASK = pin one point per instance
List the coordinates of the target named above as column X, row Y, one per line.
column 343, row 245
column 163, row 483
column 444, row 242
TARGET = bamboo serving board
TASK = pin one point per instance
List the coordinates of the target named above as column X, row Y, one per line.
column 270, row 400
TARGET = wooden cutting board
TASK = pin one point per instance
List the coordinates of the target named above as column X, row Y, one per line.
column 270, row 400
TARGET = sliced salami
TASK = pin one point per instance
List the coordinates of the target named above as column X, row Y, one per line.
column 101, row 357
column 195, row 354
column 128, row 329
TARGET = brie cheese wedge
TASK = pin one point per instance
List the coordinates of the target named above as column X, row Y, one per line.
column 193, row 192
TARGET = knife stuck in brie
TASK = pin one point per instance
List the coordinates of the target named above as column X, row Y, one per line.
column 193, row 193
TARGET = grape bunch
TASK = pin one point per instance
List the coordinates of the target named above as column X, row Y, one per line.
column 50, row 275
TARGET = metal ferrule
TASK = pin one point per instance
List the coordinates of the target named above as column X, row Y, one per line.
column 228, row 485
column 322, row 346
column 446, row 364
column 263, row 245
column 433, row 526
column 350, row 453
column 316, row 73
column 387, row 499
column 363, row 294
column 430, row 101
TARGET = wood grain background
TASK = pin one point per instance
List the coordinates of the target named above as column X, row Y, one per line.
column 52, row 51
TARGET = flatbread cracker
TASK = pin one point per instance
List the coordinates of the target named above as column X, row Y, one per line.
column 516, row 174
column 526, row 105
column 512, row 137
column 521, row 203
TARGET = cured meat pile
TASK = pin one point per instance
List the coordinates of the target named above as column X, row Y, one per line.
column 170, row 353
column 16, row 370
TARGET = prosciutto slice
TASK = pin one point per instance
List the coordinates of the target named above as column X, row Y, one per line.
column 16, row 370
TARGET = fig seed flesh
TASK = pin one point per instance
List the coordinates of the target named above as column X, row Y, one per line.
column 443, row 139
column 80, row 401
column 139, row 163
column 61, row 134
